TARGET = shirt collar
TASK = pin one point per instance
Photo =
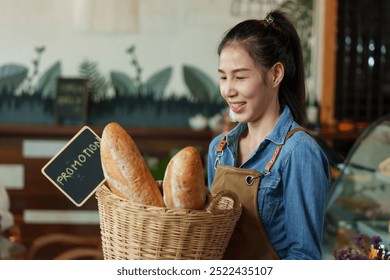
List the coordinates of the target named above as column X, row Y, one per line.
column 282, row 127
column 278, row 133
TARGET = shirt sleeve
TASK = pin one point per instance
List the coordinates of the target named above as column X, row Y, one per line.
column 305, row 190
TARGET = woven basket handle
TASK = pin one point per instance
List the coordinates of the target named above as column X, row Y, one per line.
column 213, row 206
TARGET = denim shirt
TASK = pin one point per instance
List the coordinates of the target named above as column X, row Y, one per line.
column 291, row 197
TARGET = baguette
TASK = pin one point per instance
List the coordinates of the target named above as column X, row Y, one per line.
column 183, row 184
column 124, row 168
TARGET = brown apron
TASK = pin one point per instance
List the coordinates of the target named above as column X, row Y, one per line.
column 249, row 240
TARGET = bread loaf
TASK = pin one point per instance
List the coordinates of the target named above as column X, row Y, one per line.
column 124, row 168
column 183, row 184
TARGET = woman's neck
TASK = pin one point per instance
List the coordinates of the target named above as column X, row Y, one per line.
column 254, row 135
column 260, row 128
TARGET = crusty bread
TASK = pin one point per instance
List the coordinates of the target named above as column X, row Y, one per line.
column 183, row 184
column 124, row 168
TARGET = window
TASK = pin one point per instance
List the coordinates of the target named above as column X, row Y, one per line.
column 362, row 85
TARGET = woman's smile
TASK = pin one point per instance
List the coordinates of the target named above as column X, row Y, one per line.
column 237, row 106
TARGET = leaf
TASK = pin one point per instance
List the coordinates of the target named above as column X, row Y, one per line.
column 11, row 76
column 47, row 83
column 200, row 84
column 159, row 81
column 131, row 49
column 40, row 49
column 99, row 86
column 122, row 83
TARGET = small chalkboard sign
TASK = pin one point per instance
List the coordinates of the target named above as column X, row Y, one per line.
column 76, row 169
column 71, row 101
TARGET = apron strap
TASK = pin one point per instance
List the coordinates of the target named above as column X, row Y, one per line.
column 222, row 144
column 279, row 147
column 219, row 150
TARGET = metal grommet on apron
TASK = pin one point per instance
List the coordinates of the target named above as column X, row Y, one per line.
column 249, row 180
column 249, row 240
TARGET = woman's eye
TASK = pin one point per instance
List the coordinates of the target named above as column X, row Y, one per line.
column 222, row 78
column 240, row 78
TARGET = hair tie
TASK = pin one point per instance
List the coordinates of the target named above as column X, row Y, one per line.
column 269, row 19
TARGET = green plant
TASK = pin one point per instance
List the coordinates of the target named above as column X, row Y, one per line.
column 125, row 84
column 137, row 67
column 27, row 85
column 98, row 84
column 201, row 87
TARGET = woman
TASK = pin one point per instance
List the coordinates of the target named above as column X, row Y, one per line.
column 277, row 170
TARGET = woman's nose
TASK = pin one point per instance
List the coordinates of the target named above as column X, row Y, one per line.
column 227, row 89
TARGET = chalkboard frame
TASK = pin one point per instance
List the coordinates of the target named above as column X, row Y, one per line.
column 81, row 151
column 77, row 112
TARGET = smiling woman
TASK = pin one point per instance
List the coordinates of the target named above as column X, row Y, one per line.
column 264, row 158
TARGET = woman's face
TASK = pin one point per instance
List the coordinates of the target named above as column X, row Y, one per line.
column 243, row 85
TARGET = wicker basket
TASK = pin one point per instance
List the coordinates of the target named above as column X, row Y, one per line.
column 132, row 231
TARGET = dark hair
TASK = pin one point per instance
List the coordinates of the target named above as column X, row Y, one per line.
column 273, row 40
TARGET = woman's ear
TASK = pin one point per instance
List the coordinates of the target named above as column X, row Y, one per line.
column 277, row 72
